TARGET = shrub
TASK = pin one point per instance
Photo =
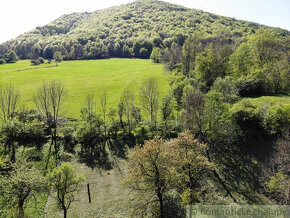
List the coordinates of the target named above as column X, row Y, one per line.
column 41, row 60
column 35, row 62
column 2, row 61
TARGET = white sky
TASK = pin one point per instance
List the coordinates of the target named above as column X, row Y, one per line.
column 19, row 16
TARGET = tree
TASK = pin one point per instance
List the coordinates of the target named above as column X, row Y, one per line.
column 10, row 57
column 48, row 53
column 242, row 61
column 49, row 102
column 144, row 53
column 136, row 48
column 149, row 172
column 127, row 100
column 188, row 157
column 194, row 110
column 77, row 52
column 90, row 111
column 126, row 52
column 275, row 174
column 264, row 45
column 210, row 65
column 10, row 130
column 9, row 100
column 66, row 184
column 149, row 97
column 57, row 57
column 2, row 61
column 104, row 109
column 156, row 55
column 21, row 184
column 190, row 49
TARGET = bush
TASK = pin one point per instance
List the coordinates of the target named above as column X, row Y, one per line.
column 2, row 61
column 41, row 60
column 251, row 85
column 35, row 62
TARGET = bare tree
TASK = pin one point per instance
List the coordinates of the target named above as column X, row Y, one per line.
column 90, row 109
column 104, row 109
column 49, row 101
column 149, row 96
column 127, row 100
column 9, row 100
column 275, row 173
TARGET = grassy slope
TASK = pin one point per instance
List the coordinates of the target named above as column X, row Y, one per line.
column 83, row 77
column 283, row 100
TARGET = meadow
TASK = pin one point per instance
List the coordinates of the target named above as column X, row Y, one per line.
column 84, row 77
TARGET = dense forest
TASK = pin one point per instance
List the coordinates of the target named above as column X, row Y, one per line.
column 130, row 30
column 207, row 141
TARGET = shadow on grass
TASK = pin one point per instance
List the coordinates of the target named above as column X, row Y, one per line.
column 95, row 158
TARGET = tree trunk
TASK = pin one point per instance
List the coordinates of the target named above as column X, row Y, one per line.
column 161, row 204
column 20, row 209
column 13, row 153
column 64, row 212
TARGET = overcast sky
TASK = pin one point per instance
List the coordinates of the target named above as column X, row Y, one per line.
column 19, row 16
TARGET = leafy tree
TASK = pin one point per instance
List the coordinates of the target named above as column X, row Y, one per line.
column 57, row 57
column 194, row 113
column 172, row 56
column 48, row 53
column 149, row 97
column 190, row 49
column 10, row 57
column 66, row 184
column 77, row 52
column 264, row 44
column 21, row 184
column 136, row 49
column 156, row 55
column 126, row 52
column 144, row 53
column 209, row 66
column 242, row 60
column 228, row 89
column 188, row 157
column 2, row 61
column 10, row 131
column 149, row 172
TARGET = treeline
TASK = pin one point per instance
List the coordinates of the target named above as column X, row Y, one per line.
column 255, row 66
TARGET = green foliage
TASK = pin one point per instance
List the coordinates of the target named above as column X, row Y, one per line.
column 66, row 183
column 156, row 55
column 279, row 185
column 242, row 61
column 209, row 66
column 110, row 29
column 57, row 57
column 48, row 53
column 227, row 87
column 2, row 61
column 10, row 57
column 20, row 186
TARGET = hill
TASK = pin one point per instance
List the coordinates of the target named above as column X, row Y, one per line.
column 84, row 77
column 114, row 32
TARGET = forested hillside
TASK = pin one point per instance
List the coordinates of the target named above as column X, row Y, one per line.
column 127, row 30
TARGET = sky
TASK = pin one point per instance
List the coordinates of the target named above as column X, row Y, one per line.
column 20, row 16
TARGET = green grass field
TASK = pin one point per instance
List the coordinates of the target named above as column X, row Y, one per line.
column 83, row 77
